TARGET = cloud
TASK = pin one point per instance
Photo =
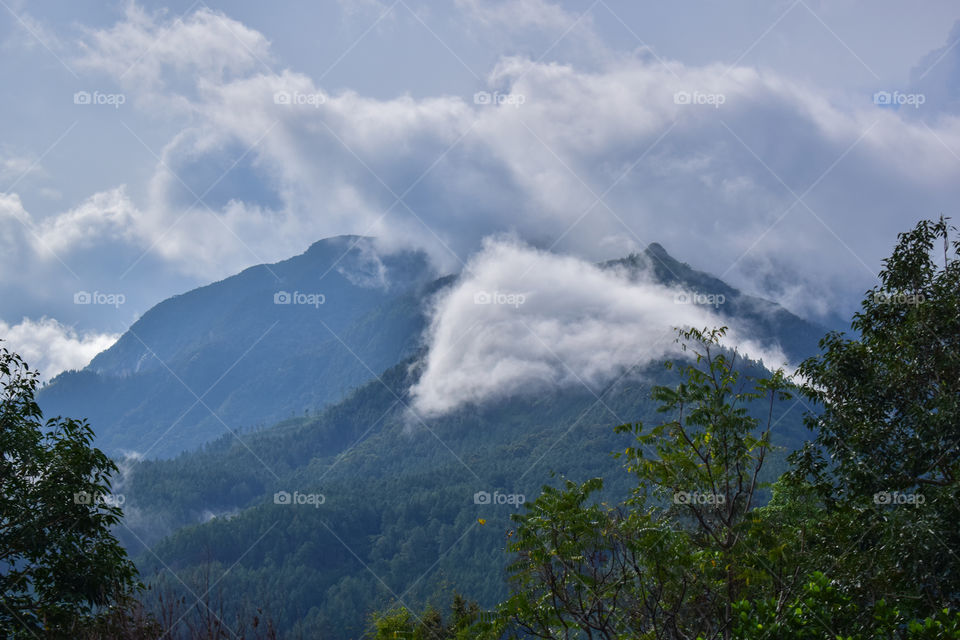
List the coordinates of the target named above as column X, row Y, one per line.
column 937, row 77
column 519, row 14
column 51, row 347
column 14, row 222
column 164, row 57
column 594, row 161
column 15, row 167
column 105, row 216
column 521, row 319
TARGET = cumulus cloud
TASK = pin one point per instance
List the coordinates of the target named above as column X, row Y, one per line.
column 105, row 216
column 521, row 319
column 155, row 51
column 51, row 347
column 597, row 159
column 590, row 161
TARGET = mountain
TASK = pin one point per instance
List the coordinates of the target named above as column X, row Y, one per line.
column 762, row 319
column 228, row 357
column 250, row 350
column 398, row 521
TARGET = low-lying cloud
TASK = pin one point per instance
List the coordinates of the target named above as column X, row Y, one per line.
column 51, row 347
column 520, row 320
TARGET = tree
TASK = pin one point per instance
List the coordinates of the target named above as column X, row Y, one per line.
column 708, row 462
column 890, row 396
column 674, row 560
column 886, row 458
column 464, row 622
column 859, row 538
column 61, row 570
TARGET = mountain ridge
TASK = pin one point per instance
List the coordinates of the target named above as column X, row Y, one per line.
column 226, row 356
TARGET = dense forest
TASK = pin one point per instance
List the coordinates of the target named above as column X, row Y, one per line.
column 712, row 512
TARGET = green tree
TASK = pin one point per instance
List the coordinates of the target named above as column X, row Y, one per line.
column 886, row 458
column 707, row 463
column 465, row 621
column 61, row 570
column 673, row 561
column 857, row 541
column 821, row 607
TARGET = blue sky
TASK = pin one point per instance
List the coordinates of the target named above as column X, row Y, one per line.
column 149, row 148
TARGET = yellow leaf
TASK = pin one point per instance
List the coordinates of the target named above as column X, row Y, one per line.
column 481, row 521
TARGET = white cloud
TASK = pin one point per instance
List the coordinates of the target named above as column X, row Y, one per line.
column 156, row 52
column 51, row 347
column 107, row 217
column 14, row 220
column 15, row 167
column 519, row 14
column 710, row 183
column 103, row 217
column 28, row 33
column 521, row 319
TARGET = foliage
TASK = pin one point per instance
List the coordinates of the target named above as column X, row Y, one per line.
column 857, row 540
column 466, row 621
column 60, row 567
column 673, row 559
column 885, row 461
column 822, row 607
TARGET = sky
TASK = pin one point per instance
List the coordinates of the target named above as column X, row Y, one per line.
column 147, row 149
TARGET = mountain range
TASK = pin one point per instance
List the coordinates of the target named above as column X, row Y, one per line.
column 282, row 339
column 344, row 504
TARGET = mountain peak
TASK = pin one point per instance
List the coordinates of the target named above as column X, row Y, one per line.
column 340, row 240
column 656, row 248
